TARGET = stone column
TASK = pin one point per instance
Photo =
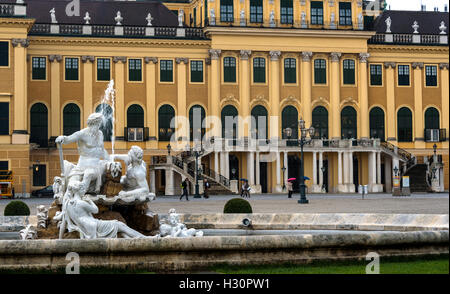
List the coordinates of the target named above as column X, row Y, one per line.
column 315, row 188
column 227, row 164
column 151, row 100
column 170, row 188
column 390, row 102
column 244, row 86
column 120, row 62
column 445, row 102
column 346, row 168
column 55, row 94
column 216, row 162
column 320, row 170
column 215, row 89
column 379, row 168
column 278, row 188
column 351, row 185
column 222, row 163
column 388, row 175
column 257, row 170
column 152, row 181
column 341, row 188
column 376, row 186
column 87, row 85
column 286, row 165
column 419, row 140
column 364, row 95
column 20, row 129
column 306, row 85
column 274, row 90
column 181, row 99
column 335, row 96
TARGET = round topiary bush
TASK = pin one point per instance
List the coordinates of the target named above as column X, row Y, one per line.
column 16, row 208
column 237, row 205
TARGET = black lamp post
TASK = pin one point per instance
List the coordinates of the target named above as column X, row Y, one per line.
column 396, row 171
column 168, row 149
column 302, row 141
column 323, row 176
column 283, row 169
column 197, row 154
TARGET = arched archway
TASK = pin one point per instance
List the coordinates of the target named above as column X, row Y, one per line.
column 432, row 125
column 39, row 124
column 165, row 115
column 71, row 119
column 377, row 128
column 320, row 122
column 135, row 116
column 259, row 122
column 349, row 126
column 197, row 115
column 229, row 122
column 289, row 119
column 404, row 125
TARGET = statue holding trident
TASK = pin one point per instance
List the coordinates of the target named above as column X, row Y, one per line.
column 91, row 163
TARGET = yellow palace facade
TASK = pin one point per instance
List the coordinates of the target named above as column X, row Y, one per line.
column 372, row 83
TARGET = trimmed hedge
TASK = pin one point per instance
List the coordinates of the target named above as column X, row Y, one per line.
column 237, row 205
column 16, row 207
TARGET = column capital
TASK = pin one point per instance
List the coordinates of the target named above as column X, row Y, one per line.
column 86, row 58
column 56, row 58
column 364, row 57
column 215, row 53
column 179, row 60
column 306, row 56
column 152, row 59
column 275, row 55
column 335, row 56
column 416, row 65
column 443, row 66
column 390, row 64
column 245, row 54
column 117, row 59
column 23, row 42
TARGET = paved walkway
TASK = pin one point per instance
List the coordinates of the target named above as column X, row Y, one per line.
column 375, row 203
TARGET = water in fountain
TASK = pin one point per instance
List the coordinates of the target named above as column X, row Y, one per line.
column 108, row 112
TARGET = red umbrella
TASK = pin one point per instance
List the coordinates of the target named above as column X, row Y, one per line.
column 291, row 179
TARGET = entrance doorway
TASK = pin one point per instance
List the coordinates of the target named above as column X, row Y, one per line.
column 294, row 171
column 355, row 173
column 263, row 176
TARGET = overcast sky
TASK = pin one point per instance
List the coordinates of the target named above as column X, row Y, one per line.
column 416, row 4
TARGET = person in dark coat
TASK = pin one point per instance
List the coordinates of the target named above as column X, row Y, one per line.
column 184, row 186
column 205, row 188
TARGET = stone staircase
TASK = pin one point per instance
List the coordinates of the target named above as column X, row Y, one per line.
column 417, row 178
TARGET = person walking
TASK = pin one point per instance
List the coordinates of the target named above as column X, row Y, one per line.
column 205, row 188
column 246, row 189
column 290, row 189
column 184, row 186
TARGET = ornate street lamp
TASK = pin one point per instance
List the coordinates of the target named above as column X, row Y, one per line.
column 283, row 169
column 323, row 176
column 304, row 132
column 168, row 149
column 396, row 170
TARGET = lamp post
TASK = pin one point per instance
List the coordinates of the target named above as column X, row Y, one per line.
column 197, row 154
column 323, row 176
column 168, row 149
column 302, row 141
column 283, row 169
column 396, row 171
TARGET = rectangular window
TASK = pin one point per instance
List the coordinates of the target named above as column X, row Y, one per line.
column 226, row 11
column 39, row 175
column 403, row 75
column 290, row 71
column 39, row 65
column 256, row 11
column 287, row 12
column 345, row 13
column 4, row 118
column 349, row 72
column 166, row 71
column 376, row 75
column 4, row 165
column 195, row 17
column 320, row 71
column 431, row 75
column 4, row 53
column 196, row 71
column 103, row 69
column 259, row 70
column 135, row 70
column 229, row 70
column 71, row 69
column 317, row 12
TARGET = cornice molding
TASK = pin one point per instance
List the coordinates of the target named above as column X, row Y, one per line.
column 407, row 49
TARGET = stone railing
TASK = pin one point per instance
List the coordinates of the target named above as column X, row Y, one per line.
column 408, row 39
column 13, row 9
column 117, row 31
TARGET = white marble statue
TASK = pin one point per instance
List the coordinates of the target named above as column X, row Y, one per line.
column 360, row 19
column 91, row 163
column 176, row 229
column 118, row 19
column 149, row 19
column 29, row 233
column 79, row 210
column 180, row 17
column 212, row 16
column 332, row 18
column 388, row 22
column 53, row 15
column 42, row 215
column 415, row 26
column 58, row 189
column 443, row 28
column 272, row 18
column 87, row 18
column 135, row 179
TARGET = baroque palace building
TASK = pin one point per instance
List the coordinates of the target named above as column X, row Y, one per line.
column 373, row 83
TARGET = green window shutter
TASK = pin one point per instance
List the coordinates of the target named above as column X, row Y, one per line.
column 71, row 119
column 135, row 70
column 71, row 66
column 38, row 68
column 103, row 69
column 196, row 71
column 4, row 53
column 259, row 70
column 290, row 71
column 376, row 75
column 229, row 68
column 166, row 71
column 431, row 76
column 320, row 71
column 404, row 125
column 349, row 72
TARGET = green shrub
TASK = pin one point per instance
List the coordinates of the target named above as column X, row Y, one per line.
column 237, row 205
column 16, row 208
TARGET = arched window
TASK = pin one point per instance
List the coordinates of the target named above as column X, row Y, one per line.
column 404, row 125
column 349, row 127
column 107, row 125
column 259, row 122
column 289, row 119
column 377, row 123
column 196, row 117
column 432, row 126
column 135, row 116
column 229, row 122
column 71, row 119
column 39, row 125
column 165, row 115
column 320, row 122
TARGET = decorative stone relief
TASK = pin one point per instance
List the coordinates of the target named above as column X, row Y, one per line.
column 331, row 3
column 42, row 215
column 306, row 56
column 86, row 58
column 444, row 65
column 416, row 65
column 118, row 19
column 29, row 233
column 23, row 42
column 335, row 56
column 390, row 65
column 245, row 54
column 215, row 53
column 363, row 57
column 179, row 60
column 117, row 59
column 56, row 58
column 151, row 59
column 275, row 55
column 174, row 228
